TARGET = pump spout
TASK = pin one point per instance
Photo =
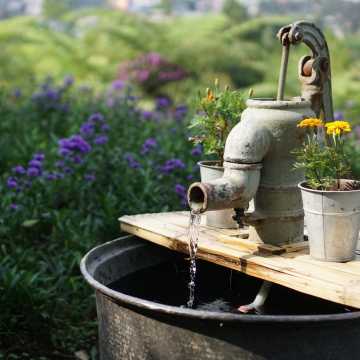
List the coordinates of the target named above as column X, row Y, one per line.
column 234, row 190
column 245, row 148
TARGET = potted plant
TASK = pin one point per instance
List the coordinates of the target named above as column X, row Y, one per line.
column 218, row 112
column 331, row 200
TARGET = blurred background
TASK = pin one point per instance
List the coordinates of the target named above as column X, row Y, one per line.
column 233, row 40
column 96, row 97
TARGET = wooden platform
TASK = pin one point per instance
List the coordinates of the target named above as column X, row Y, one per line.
column 290, row 266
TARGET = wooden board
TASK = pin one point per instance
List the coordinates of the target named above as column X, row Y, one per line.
column 294, row 268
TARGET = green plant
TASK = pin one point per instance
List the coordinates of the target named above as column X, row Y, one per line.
column 235, row 10
column 68, row 173
column 323, row 155
column 219, row 111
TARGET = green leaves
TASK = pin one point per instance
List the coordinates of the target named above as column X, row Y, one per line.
column 324, row 161
column 219, row 112
column 30, row 223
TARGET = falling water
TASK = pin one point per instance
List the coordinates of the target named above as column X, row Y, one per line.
column 194, row 224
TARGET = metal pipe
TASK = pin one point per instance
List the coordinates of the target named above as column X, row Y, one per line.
column 234, row 190
column 283, row 71
column 259, row 300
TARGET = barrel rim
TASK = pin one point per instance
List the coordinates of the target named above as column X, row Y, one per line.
column 136, row 302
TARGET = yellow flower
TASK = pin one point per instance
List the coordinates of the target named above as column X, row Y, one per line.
column 310, row 122
column 337, row 127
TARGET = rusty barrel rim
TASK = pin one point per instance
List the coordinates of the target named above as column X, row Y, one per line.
column 143, row 304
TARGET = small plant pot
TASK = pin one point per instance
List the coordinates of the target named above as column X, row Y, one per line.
column 333, row 221
column 210, row 170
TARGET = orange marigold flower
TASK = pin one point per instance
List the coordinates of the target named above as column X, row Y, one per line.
column 337, row 127
column 311, row 123
column 210, row 95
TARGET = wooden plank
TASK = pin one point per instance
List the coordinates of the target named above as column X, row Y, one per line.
column 294, row 268
column 243, row 243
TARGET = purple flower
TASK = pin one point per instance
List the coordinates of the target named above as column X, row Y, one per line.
column 180, row 189
column 33, row 172
column 87, row 129
column 60, row 163
column 75, row 143
column 147, row 115
column 118, row 85
column 197, row 150
column 105, row 127
column 77, row 159
column 64, row 152
column 68, row 170
column 90, row 177
column 52, row 94
column 132, row 98
column 101, row 140
column 148, row 145
column 39, row 157
column 51, row 176
column 154, row 59
column 68, row 80
column 180, row 112
column 14, row 207
column 142, row 75
column 171, row 165
column 131, row 161
column 19, row 170
column 96, row 117
column 12, row 183
column 17, row 93
column 190, row 177
column 162, row 103
column 35, row 164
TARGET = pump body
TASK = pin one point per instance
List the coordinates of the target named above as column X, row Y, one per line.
column 258, row 162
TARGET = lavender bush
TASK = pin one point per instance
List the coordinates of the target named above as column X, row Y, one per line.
column 79, row 170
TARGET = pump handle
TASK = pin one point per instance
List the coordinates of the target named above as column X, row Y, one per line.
column 314, row 70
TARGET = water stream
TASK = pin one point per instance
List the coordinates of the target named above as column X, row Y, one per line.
column 194, row 223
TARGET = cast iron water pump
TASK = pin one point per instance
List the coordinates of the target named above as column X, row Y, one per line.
column 258, row 157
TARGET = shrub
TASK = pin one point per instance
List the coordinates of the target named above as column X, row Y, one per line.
column 62, row 198
column 151, row 72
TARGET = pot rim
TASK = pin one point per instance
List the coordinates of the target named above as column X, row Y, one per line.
column 272, row 103
column 209, row 164
column 302, row 186
column 192, row 313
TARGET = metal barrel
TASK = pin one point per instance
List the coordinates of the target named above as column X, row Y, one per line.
column 131, row 328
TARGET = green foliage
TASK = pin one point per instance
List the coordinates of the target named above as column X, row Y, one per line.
column 219, row 112
column 235, row 11
column 54, row 9
column 352, row 150
column 166, row 6
column 324, row 159
column 48, row 223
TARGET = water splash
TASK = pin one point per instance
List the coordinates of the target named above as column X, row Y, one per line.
column 194, row 223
